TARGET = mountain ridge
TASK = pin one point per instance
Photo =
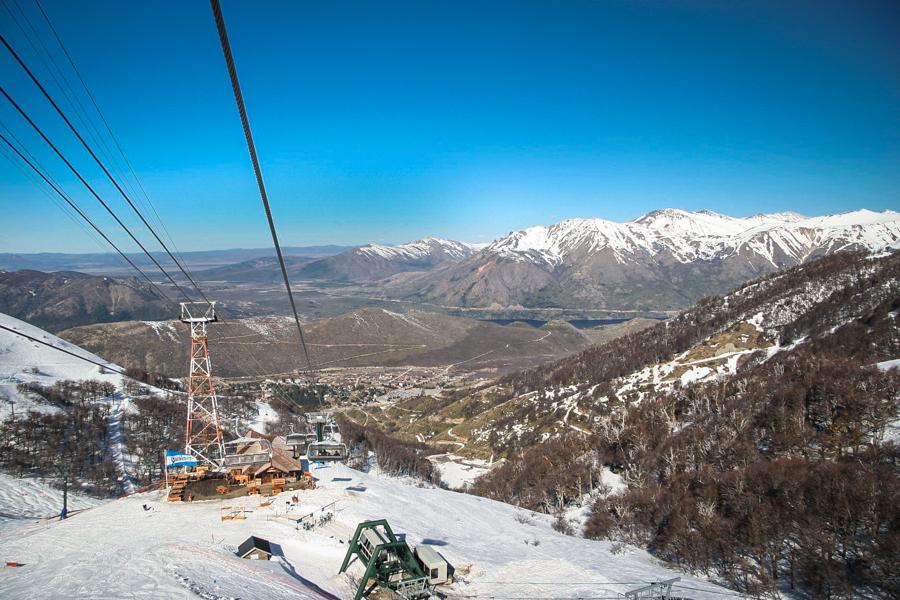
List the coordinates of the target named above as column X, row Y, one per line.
column 375, row 261
column 665, row 259
column 64, row 299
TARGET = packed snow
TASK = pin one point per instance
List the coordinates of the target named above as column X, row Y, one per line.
column 458, row 472
column 887, row 365
column 265, row 415
column 143, row 547
column 29, row 503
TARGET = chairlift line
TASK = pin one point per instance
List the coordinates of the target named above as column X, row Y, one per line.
column 276, row 395
column 45, row 56
column 75, row 207
column 183, row 268
column 251, row 147
column 62, row 194
column 75, row 171
column 118, row 146
column 106, row 172
column 108, row 128
column 14, row 161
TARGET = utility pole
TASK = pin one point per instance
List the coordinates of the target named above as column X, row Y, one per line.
column 65, row 508
column 66, row 463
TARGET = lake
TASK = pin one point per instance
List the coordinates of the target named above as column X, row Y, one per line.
column 577, row 323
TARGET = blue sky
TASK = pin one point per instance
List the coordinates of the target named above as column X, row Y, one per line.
column 386, row 122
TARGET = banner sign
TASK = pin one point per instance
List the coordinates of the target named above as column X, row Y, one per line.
column 179, row 459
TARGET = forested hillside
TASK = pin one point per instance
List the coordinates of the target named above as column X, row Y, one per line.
column 56, row 301
column 775, row 469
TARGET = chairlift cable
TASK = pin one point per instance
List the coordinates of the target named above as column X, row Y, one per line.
column 75, row 207
column 276, row 394
column 107, row 366
column 109, row 129
column 89, row 187
column 44, row 176
column 183, row 267
column 44, row 55
column 17, row 163
column 248, row 135
column 102, row 167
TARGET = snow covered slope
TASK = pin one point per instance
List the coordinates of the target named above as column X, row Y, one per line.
column 120, row 550
column 376, row 261
column 844, row 300
column 24, row 361
column 29, row 502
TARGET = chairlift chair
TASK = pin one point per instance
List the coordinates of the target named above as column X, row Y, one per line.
column 299, row 442
column 234, row 459
column 327, row 446
column 327, row 451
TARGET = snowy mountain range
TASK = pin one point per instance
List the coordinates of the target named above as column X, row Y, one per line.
column 666, row 259
column 704, row 235
column 375, row 261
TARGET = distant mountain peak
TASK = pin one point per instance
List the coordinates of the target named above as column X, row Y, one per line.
column 788, row 216
column 378, row 261
column 418, row 249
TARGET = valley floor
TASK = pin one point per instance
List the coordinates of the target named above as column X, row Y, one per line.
column 121, row 550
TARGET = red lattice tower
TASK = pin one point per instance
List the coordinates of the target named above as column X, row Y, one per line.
column 203, row 437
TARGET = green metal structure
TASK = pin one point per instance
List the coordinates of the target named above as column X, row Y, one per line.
column 388, row 561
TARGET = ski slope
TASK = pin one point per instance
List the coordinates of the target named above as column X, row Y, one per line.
column 120, row 550
column 30, row 502
column 24, row 361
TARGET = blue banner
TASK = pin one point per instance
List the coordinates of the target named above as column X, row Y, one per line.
column 179, row 459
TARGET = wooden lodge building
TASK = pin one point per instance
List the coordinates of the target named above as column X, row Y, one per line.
column 281, row 463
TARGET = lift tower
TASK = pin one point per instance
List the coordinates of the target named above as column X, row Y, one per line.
column 203, row 437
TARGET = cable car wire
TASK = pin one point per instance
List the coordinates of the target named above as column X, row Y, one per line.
column 113, row 368
column 109, row 130
column 44, row 55
column 248, row 135
column 17, row 163
column 81, row 213
column 283, row 399
column 90, row 188
column 56, row 188
column 183, row 267
column 106, row 172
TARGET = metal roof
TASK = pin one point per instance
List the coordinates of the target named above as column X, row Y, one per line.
column 254, row 543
